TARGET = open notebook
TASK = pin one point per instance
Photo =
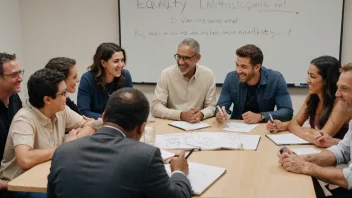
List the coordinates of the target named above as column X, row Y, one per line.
column 189, row 126
column 201, row 176
column 287, row 139
column 207, row 141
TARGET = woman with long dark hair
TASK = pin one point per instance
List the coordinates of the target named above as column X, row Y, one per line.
column 326, row 116
column 104, row 76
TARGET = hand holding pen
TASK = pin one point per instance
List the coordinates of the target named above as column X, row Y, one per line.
column 180, row 163
column 221, row 115
column 273, row 125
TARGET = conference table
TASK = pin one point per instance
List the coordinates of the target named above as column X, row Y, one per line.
column 250, row 174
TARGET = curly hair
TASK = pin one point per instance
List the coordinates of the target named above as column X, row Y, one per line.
column 105, row 52
column 43, row 82
column 328, row 67
column 253, row 52
column 4, row 57
column 61, row 64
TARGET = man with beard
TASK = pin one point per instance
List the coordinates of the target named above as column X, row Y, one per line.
column 254, row 90
column 185, row 91
column 320, row 165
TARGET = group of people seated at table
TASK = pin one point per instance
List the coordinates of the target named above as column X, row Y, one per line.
column 94, row 145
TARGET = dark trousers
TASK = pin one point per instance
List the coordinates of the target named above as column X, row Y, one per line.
column 336, row 193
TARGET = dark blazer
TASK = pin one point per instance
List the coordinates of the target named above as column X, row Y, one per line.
column 108, row 165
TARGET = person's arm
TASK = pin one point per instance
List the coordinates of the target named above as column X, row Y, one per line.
column 225, row 95
column 159, row 108
column 159, row 185
column 27, row 157
column 74, row 121
column 128, row 79
column 337, row 118
column 84, row 98
column 283, row 103
column 295, row 125
column 324, row 158
column 210, row 100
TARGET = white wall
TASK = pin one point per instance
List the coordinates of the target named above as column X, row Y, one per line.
column 75, row 28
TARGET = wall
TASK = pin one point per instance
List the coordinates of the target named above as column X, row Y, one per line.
column 75, row 28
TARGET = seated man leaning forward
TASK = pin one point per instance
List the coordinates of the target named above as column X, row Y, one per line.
column 113, row 163
column 37, row 130
column 254, row 90
column 319, row 165
column 185, row 91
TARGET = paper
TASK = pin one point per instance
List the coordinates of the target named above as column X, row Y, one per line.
column 189, row 126
column 201, row 176
column 207, row 141
column 305, row 151
column 286, row 139
column 239, row 127
column 166, row 154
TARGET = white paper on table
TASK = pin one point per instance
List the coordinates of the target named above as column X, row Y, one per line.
column 287, row 139
column 166, row 154
column 239, row 127
column 305, row 151
column 189, row 126
column 201, row 176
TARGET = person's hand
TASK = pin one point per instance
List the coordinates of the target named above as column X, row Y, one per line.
column 221, row 116
column 295, row 164
column 179, row 163
column 3, row 184
column 251, row 118
column 89, row 121
column 197, row 117
column 270, row 126
column 325, row 140
column 283, row 153
column 313, row 135
column 188, row 115
column 72, row 135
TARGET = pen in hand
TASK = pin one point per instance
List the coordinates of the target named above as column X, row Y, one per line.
column 272, row 121
column 221, row 113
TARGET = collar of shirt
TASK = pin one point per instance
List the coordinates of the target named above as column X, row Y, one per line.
column 196, row 74
column 42, row 119
column 108, row 126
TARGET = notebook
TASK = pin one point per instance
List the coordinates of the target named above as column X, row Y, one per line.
column 189, row 126
column 287, row 139
column 201, row 176
column 305, row 151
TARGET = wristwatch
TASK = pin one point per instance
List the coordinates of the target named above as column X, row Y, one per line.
column 263, row 116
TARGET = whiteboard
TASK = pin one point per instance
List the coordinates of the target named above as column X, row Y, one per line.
column 290, row 33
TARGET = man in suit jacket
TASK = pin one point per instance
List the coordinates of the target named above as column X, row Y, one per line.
column 113, row 163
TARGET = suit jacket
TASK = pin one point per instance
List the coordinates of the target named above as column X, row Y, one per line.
column 107, row 164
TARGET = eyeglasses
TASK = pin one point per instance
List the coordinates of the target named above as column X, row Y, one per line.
column 64, row 92
column 14, row 74
column 185, row 58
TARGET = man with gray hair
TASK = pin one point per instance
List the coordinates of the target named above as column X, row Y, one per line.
column 185, row 91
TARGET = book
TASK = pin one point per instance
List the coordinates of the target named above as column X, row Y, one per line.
column 189, row 126
column 201, row 176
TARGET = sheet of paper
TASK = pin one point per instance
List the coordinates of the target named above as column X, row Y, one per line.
column 201, row 176
column 166, row 154
column 239, row 127
column 207, row 141
column 189, row 126
column 287, row 139
column 305, row 151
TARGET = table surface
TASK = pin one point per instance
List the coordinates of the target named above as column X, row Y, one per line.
column 249, row 173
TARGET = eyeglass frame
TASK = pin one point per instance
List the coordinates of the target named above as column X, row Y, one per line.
column 64, row 92
column 14, row 74
column 184, row 58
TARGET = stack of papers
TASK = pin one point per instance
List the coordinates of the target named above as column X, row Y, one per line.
column 287, row 139
column 207, row 141
column 201, row 176
column 239, row 127
column 189, row 126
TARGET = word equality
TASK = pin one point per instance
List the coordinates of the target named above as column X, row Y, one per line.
column 162, row 4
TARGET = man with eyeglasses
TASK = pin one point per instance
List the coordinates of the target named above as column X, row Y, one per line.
column 37, row 130
column 10, row 102
column 185, row 91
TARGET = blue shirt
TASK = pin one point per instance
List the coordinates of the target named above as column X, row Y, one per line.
column 272, row 91
column 91, row 100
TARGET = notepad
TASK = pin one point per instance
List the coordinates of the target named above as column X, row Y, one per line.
column 239, row 127
column 207, row 141
column 305, row 151
column 201, row 176
column 287, row 139
column 189, row 126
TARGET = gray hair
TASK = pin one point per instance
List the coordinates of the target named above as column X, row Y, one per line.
column 191, row 42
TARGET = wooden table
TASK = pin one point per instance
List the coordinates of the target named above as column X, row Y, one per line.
column 249, row 174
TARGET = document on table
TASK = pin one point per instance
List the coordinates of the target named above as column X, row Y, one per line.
column 305, row 151
column 201, row 176
column 207, row 141
column 166, row 154
column 239, row 127
column 189, row 126
column 287, row 139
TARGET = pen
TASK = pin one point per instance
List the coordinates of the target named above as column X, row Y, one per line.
column 220, row 111
column 189, row 154
column 282, row 149
column 272, row 121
